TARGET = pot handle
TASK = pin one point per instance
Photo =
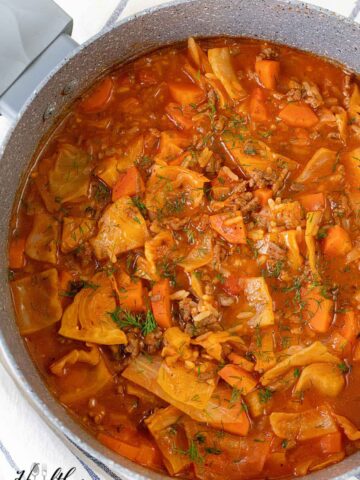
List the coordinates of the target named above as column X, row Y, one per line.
column 34, row 38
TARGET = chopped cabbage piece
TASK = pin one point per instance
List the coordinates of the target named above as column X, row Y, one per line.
column 161, row 426
column 185, row 386
column 88, row 318
column 70, row 179
column 264, row 352
column 293, row 252
column 171, row 190
column 121, row 228
column 212, row 341
column 305, row 425
column 75, row 232
column 351, row 161
column 172, row 144
column 326, row 378
column 133, row 153
column 200, row 255
column 316, row 352
column 320, row 165
column 41, row 244
column 252, row 154
column 36, row 300
column 107, row 171
column 349, row 428
column 258, row 297
column 220, row 61
column 217, row 412
column 176, row 345
column 198, row 56
column 156, row 249
column 91, row 357
column 341, row 122
column 83, row 381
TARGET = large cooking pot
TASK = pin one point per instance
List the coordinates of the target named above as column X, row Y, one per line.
column 283, row 21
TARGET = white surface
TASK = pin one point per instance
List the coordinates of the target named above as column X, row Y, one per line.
column 23, row 433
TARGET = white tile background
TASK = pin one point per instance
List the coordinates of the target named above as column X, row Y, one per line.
column 24, row 435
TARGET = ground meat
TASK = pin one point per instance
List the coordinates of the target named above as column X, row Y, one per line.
column 294, row 95
column 135, row 344
column 208, row 324
column 279, row 183
column 153, row 341
column 187, row 309
column 250, row 207
column 306, row 91
column 311, row 94
column 264, row 179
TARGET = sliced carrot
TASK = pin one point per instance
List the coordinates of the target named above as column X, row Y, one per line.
column 331, row 443
column 131, row 297
column 179, row 115
column 230, row 226
column 317, row 310
column 146, row 454
column 237, row 377
column 268, row 72
column 161, row 304
column 312, row 202
column 350, row 328
column 337, row 242
column 257, row 108
column 186, row 93
column 263, row 195
column 240, row 425
column 241, row 362
column 17, row 252
column 129, row 183
column 298, row 115
column 99, row 97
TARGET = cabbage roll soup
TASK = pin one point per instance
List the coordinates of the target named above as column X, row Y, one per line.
column 184, row 261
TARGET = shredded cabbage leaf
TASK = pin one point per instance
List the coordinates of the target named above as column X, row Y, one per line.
column 70, row 178
column 36, row 301
column 121, row 228
column 89, row 319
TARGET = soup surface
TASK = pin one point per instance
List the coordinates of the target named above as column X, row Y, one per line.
column 184, row 261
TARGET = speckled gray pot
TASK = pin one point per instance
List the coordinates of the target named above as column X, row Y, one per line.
column 287, row 22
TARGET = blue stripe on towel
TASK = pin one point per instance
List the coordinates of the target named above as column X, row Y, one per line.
column 97, row 462
column 8, row 457
column 91, row 473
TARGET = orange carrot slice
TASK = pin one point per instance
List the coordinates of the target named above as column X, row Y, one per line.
column 298, row 115
column 268, row 72
column 99, row 97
